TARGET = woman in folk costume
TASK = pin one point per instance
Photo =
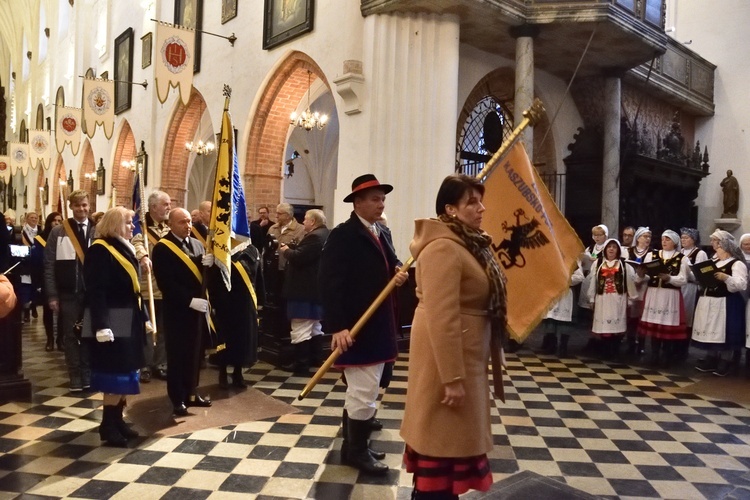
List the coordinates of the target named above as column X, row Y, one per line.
column 461, row 308
column 612, row 284
column 745, row 249
column 719, row 324
column 113, row 294
column 689, row 240
column 599, row 234
column 637, row 253
column 559, row 318
column 663, row 316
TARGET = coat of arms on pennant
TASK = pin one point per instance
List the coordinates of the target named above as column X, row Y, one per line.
column 39, row 143
column 99, row 100
column 174, row 53
column 19, row 155
column 69, row 124
column 3, row 166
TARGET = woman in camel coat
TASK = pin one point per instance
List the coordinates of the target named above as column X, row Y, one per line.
column 461, row 294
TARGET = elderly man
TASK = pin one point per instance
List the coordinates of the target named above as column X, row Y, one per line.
column 159, row 204
column 357, row 262
column 286, row 230
column 177, row 268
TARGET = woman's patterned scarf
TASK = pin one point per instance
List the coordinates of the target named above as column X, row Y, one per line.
column 478, row 243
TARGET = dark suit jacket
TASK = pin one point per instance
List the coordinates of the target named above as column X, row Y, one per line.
column 354, row 269
column 302, row 263
column 178, row 285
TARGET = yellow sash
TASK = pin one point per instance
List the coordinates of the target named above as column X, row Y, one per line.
column 248, row 283
column 40, row 240
column 73, row 239
column 127, row 265
column 198, row 236
column 151, row 238
column 183, row 256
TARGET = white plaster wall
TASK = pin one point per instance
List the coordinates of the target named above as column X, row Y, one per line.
column 718, row 31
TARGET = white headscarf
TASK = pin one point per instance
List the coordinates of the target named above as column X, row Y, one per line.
column 672, row 236
column 743, row 238
column 603, row 228
column 640, row 232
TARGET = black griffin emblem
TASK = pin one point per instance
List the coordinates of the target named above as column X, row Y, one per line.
column 224, row 202
column 522, row 235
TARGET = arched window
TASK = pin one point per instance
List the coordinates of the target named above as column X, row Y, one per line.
column 40, row 117
column 22, row 132
column 489, row 124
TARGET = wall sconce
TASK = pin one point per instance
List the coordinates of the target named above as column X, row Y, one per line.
column 45, row 192
column 28, row 54
column 290, row 165
column 46, row 32
column 70, row 182
column 97, row 177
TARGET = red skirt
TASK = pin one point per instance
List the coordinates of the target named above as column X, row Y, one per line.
column 457, row 475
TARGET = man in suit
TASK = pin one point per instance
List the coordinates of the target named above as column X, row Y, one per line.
column 177, row 259
column 64, row 255
column 357, row 262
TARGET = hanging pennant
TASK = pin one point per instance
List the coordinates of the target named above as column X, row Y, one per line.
column 174, row 61
column 5, row 168
column 19, row 157
column 68, row 129
column 39, row 148
column 99, row 106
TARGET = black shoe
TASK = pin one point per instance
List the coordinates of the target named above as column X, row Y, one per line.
column 160, row 373
column 108, row 429
column 34, row 314
column 60, row 345
column 725, row 368
column 707, row 365
column 50, row 346
column 197, row 401
column 126, row 431
column 180, row 410
column 375, row 424
column 145, row 376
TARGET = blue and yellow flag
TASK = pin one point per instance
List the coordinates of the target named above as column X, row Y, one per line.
column 531, row 239
column 228, row 210
column 136, row 206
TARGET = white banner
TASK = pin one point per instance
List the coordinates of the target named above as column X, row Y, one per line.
column 19, row 157
column 5, row 168
column 39, row 148
column 68, row 128
column 99, row 106
column 175, row 50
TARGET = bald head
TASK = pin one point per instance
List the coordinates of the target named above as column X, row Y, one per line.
column 180, row 223
column 205, row 209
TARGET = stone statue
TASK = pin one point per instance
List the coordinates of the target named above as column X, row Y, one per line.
column 731, row 189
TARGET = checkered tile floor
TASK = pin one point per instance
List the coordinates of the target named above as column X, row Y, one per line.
column 609, row 430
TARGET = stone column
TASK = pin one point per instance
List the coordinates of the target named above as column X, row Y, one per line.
column 524, row 92
column 410, row 68
column 611, row 156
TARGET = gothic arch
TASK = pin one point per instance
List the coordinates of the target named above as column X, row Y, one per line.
column 175, row 160
column 121, row 177
column 500, row 84
column 55, row 186
column 88, row 166
column 269, row 126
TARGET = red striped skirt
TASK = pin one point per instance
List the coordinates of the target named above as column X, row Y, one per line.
column 457, row 475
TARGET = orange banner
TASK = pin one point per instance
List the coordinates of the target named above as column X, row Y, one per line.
column 532, row 240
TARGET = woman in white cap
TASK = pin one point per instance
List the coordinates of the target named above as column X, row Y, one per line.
column 663, row 317
column 637, row 253
column 599, row 234
column 719, row 324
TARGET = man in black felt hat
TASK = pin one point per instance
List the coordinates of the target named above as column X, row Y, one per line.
column 357, row 262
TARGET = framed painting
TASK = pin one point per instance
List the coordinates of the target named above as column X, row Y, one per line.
column 189, row 13
column 147, row 41
column 284, row 20
column 228, row 10
column 123, row 70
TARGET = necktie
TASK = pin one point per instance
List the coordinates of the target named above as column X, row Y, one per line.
column 82, row 231
column 374, row 230
column 186, row 246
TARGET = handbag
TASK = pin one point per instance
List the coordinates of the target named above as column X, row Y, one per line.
column 120, row 322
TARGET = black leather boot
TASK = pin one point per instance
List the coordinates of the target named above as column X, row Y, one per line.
column 377, row 455
column 316, row 350
column 358, row 454
column 108, row 431
column 564, row 345
column 126, row 431
column 301, row 363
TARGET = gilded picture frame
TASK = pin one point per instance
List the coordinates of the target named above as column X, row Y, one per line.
column 284, row 20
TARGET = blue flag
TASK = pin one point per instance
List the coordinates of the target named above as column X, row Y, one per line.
column 136, row 207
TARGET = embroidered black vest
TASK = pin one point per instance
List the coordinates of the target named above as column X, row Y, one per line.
column 673, row 269
column 721, row 289
column 619, row 278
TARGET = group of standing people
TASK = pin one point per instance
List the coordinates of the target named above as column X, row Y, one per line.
column 635, row 291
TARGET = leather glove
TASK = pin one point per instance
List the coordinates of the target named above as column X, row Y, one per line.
column 200, row 305
column 105, row 335
column 208, row 260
